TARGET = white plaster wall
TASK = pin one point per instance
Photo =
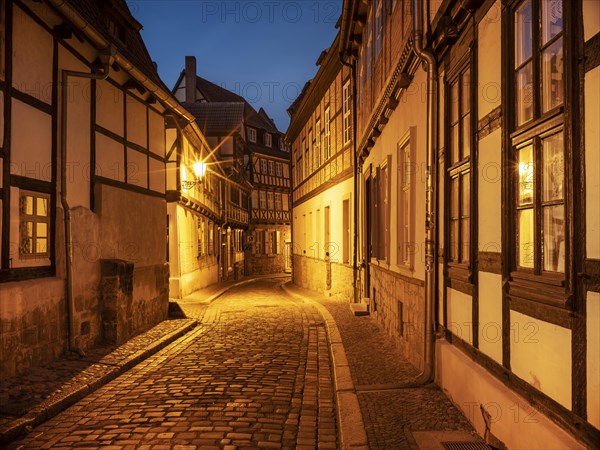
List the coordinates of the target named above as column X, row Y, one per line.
column 488, row 61
column 109, row 107
column 593, row 358
column 31, row 142
column 489, row 193
column 591, row 18
column 411, row 113
column 540, row 354
column 136, row 121
column 490, row 315
column 31, row 57
column 110, row 158
column 156, row 133
column 513, row 420
column 332, row 197
column 592, row 162
column 137, row 168
column 78, row 131
column 157, row 175
column 460, row 315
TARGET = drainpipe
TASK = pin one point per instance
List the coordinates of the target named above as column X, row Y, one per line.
column 105, row 57
column 430, row 243
column 355, row 286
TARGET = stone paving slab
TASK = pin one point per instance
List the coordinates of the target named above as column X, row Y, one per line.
column 255, row 374
column 43, row 392
column 377, row 372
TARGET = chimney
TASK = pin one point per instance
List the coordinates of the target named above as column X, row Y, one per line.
column 190, row 79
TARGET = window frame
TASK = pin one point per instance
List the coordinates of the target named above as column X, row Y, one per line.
column 460, row 266
column 406, row 194
column 346, row 113
column 268, row 140
column 35, row 219
column 252, row 134
column 327, row 131
column 535, row 284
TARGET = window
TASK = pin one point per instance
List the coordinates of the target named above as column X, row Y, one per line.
column 251, row 134
column 286, row 200
column 346, row 113
column 263, row 166
column 270, row 202
column 346, row 231
column 459, row 168
column 271, row 168
column 278, row 201
column 263, row 199
column 378, row 6
column 275, row 238
column 34, row 224
column 305, row 165
column 310, row 159
column 539, row 218
column 211, row 239
column 318, row 144
column 327, row 143
column 406, row 170
column 268, row 140
column 278, row 169
column 381, row 216
column 200, row 236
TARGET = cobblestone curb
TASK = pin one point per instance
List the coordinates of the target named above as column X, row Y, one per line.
column 94, row 377
column 351, row 426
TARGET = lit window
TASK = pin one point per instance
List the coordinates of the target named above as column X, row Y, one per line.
column 346, row 113
column 34, row 224
column 327, row 143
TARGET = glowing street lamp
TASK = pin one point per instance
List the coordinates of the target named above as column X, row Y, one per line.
column 200, row 169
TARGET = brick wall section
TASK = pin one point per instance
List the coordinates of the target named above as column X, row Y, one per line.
column 390, row 289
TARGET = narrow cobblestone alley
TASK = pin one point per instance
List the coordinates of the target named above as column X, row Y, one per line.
column 254, row 373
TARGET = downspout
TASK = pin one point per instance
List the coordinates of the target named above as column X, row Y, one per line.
column 426, row 376
column 355, row 286
column 105, row 57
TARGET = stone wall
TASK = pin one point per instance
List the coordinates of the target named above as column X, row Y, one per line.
column 132, row 300
column 258, row 264
column 326, row 277
column 388, row 291
column 32, row 324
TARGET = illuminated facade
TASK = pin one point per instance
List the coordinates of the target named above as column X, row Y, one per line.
column 82, row 180
column 498, row 237
column 254, row 156
column 322, row 165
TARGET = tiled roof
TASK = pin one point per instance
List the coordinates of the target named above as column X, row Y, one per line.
column 217, row 118
column 215, row 93
column 133, row 49
column 256, row 148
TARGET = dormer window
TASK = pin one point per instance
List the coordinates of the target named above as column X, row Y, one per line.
column 251, row 134
column 116, row 29
column 268, row 140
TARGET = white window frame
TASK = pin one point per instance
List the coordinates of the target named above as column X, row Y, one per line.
column 347, row 128
column 268, row 140
column 252, row 134
column 405, row 194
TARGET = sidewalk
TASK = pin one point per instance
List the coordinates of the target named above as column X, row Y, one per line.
column 43, row 392
column 393, row 417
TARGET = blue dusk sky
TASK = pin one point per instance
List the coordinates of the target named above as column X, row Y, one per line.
column 262, row 50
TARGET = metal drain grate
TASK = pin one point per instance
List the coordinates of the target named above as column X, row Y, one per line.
column 465, row 445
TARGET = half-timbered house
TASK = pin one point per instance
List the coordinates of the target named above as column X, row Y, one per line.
column 82, row 180
column 321, row 133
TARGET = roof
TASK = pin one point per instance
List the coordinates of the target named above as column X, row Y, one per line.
column 133, row 49
column 215, row 93
column 256, row 148
column 217, row 118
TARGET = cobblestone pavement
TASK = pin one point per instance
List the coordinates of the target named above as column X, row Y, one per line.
column 390, row 415
column 254, row 373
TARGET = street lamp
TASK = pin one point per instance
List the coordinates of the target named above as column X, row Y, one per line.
column 199, row 172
